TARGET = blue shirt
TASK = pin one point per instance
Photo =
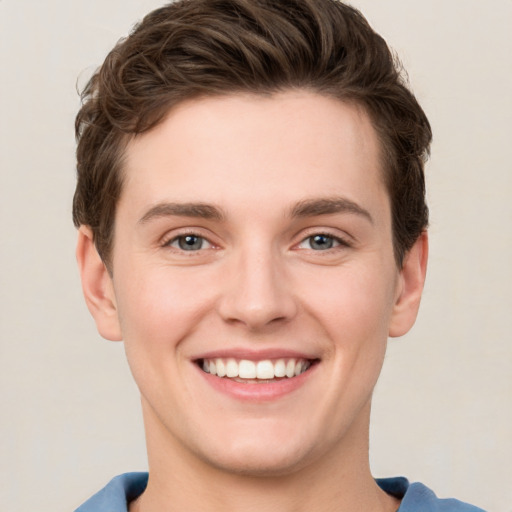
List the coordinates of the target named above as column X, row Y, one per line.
column 415, row 497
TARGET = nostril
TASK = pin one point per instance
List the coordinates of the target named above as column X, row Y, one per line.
column 257, row 295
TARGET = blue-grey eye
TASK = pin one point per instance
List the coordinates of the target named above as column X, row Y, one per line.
column 321, row 242
column 189, row 242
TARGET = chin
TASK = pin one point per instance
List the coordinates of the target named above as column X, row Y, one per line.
column 259, row 456
column 258, row 464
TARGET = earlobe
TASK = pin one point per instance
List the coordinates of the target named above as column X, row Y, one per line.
column 410, row 287
column 97, row 286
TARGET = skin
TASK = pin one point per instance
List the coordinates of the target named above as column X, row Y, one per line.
column 275, row 171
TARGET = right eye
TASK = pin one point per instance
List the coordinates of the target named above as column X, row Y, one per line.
column 189, row 242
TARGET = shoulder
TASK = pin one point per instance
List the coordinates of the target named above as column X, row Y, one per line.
column 116, row 494
column 416, row 497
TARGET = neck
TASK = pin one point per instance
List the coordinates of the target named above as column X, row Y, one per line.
column 339, row 480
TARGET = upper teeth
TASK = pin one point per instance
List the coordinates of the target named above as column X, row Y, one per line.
column 246, row 369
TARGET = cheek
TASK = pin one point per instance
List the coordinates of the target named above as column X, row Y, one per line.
column 353, row 303
column 160, row 307
column 159, row 310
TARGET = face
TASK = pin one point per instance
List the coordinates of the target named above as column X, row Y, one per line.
column 254, row 282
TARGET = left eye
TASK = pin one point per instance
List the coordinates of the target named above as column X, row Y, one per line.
column 319, row 242
column 189, row 243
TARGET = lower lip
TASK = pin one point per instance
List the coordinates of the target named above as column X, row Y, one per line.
column 254, row 391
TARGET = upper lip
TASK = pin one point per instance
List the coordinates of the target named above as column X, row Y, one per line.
column 254, row 355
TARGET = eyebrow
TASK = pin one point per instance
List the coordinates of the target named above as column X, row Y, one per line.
column 328, row 206
column 305, row 208
column 198, row 210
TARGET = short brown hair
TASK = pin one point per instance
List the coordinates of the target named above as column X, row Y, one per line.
column 192, row 48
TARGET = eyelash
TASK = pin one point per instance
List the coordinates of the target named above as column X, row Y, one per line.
column 182, row 237
column 336, row 241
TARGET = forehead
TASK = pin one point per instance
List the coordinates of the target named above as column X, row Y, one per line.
column 247, row 148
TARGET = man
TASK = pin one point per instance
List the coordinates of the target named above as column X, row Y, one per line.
column 252, row 224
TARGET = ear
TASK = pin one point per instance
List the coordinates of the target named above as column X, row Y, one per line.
column 410, row 287
column 97, row 286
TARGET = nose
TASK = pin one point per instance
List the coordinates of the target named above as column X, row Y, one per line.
column 257, row 293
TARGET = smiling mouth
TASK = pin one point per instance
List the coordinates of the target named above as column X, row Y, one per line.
column 264, row 371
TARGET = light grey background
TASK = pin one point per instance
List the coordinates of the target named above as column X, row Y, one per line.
column 442, row 410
